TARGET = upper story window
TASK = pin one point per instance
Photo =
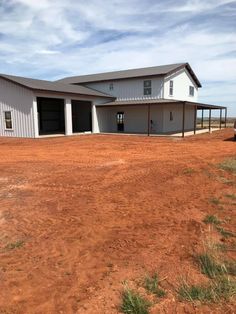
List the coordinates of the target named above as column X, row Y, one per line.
column 8, row 120
column 191, row 91
column 147, row 87
column 111, row 86
column 171, row 88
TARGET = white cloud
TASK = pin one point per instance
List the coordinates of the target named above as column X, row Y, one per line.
column 51, row 39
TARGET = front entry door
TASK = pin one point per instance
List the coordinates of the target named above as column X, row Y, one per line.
column 120, row 121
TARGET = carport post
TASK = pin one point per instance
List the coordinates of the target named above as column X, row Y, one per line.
column 195, row 119
column 202, row 117
column 35, row 117
column 183, row 122
column 220, row 117
column 95, row 127
column 68, row 117
column 209, row 120
column 225, row 117
column 148, row 133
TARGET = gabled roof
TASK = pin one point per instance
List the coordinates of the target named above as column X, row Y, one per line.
column 42, row 85
column 133, row 73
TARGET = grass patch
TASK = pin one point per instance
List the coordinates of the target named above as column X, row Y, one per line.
column 214, row 201
column 231, row 196
column 226, row 181
column 229, row 165
column 134, row 303
column 151, row 284
column 211, row 219
column 188, row 171
column 209, row 266
column 195, row 293
column 225, row 233
column 224, row 288
column 220, row 288
column 230, row 267
column 224, row 248
column 14, row 245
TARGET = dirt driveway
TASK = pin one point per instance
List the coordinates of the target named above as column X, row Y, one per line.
column 80, row 215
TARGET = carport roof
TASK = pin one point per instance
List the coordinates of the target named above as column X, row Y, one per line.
column 158, row 101
column 42, row 85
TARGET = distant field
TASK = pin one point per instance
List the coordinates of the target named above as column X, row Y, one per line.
column 215, row 122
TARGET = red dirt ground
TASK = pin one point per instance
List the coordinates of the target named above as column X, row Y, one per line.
column 96, row 210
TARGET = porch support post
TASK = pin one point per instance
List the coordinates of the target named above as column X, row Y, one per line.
column 195, row 119
column 183, row 121
column 35, row 117
column 220, row 117
column 202, row 118
column 209, row 120
column 225, row 117
column 148, row 133
column 68, row 117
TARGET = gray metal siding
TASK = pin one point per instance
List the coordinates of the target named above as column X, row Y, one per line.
column 19, row 101
column 130, row 88
column 135, row 118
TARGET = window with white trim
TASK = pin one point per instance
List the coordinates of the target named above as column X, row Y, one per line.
column 8, row 120
column 147, row 87
column 171, row 88
column 191, row 91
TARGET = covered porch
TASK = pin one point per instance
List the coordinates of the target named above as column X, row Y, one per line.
column 159, row 117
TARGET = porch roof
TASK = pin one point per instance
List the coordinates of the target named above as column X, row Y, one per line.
column 160, row 101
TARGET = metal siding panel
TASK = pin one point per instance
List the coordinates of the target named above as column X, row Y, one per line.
column 19, row 100
column 130, row 88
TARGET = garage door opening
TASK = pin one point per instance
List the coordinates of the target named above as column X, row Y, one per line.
column 51, row 118
column 81, row 116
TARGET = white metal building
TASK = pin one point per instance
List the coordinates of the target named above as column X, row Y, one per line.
column 156, row 100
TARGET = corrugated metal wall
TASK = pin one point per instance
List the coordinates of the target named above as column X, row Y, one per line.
column 135, row 118
column 19, row 101
column 129, row 88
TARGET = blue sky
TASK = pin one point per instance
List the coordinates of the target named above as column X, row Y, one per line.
column 50, row 39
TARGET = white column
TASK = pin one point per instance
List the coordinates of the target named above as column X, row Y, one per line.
column 95, row 127
column 68, row 117
column 35, row 117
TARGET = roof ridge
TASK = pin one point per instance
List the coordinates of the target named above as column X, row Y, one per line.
column 127, row 70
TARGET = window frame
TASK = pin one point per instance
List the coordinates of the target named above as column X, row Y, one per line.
column 6, row 120
column 191, row 90
column 171, row 88
column 111, row 86
column 147, row 87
